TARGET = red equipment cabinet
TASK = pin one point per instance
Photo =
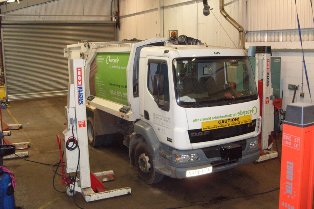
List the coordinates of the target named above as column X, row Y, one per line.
column 297, row 163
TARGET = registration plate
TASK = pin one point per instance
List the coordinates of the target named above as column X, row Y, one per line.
column 198, row 172
column 227, row 122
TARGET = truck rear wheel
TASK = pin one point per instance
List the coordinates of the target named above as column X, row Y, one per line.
column 98, row 140
column 145, row 166
column 90, row 132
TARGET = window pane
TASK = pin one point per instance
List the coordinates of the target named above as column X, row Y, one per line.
column 213, row 81
column 152, row 70
column 164, row 72
column 158, row 70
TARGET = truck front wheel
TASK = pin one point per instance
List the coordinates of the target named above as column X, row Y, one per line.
column 145, row 166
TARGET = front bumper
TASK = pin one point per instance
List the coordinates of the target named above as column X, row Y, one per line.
column 208, row 158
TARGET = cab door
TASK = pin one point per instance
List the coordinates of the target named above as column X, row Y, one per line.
column 156, row 107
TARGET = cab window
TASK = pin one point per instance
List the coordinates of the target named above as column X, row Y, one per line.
column 158, row 82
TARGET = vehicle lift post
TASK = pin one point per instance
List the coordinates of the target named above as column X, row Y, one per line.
column 76, row 141
column 265, row 91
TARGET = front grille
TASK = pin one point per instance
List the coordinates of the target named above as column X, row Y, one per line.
column 197, row 135
column 214, row 151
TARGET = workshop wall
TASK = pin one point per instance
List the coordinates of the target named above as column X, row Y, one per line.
column 267, row 22
column 291, row 73
column 278, row 28
column 148, row 18
column 276, row 21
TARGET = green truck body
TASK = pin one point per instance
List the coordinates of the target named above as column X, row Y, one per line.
column 109, row 77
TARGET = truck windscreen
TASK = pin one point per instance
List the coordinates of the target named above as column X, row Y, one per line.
column 203, row 82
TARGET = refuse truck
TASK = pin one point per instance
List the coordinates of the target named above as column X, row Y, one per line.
column 184, row 108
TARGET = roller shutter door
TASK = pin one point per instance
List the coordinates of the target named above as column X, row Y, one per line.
column 33, row 55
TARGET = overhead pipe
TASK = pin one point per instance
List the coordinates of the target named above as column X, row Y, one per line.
column 233, row 23
column 161, row 18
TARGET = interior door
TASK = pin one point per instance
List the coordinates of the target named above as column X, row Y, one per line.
column 156, row 107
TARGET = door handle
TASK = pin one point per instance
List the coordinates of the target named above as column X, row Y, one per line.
column 146, row 115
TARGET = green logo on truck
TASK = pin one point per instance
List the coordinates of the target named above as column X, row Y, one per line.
column 252, row 111
column 110, row 77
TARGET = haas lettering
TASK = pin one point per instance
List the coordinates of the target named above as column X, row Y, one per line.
column 79, row 86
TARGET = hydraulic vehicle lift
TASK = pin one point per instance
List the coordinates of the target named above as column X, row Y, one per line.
column 76, row 143
column 265, row 91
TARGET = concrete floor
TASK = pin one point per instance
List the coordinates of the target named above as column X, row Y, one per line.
column 43, row 119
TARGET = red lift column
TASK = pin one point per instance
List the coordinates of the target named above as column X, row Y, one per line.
column 297, row 163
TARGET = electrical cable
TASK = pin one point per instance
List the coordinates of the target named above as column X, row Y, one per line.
column 54, row 177
column 76, row 174
column 74, row 146
column 213, row 201
column 302, row 49
column 45, row 164
column 63, row 178
column 71, row 144
column 312, row 11
column 57, row 165
column 32, row 161
column 224, row 30
column 37, row 162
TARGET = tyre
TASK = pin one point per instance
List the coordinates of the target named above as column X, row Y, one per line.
column 98, row 140
column 145, row 166
column 90, row 132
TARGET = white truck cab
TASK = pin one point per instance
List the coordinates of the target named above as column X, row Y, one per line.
column 184, row 110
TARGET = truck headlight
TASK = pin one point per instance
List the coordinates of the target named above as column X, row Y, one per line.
column 185, row 158
column 253, row 144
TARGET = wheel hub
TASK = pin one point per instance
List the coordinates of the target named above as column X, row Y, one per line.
column 143, row 162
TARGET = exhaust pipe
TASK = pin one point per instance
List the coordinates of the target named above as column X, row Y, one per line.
column 231, row 21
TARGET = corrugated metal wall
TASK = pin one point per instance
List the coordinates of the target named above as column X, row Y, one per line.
column 33, row 54
column 264, row 20
column 278, row 14
column 276, row 21
column 63, row 10
column 34, row 39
